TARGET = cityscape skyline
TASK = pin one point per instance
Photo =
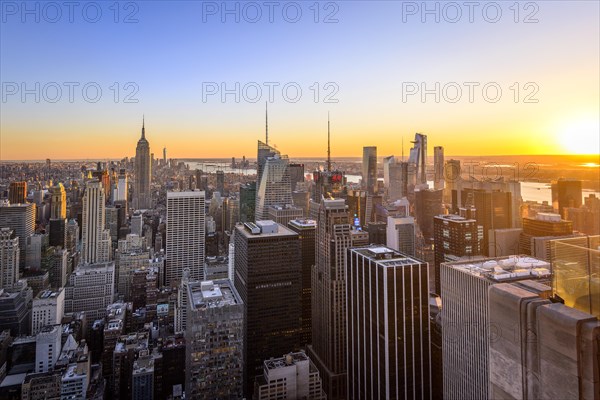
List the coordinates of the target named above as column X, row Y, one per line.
column 333, row 200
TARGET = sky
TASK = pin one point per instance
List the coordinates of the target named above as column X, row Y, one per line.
column 498, row 78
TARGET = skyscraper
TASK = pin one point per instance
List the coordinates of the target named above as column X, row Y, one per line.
column 566, row 193
column 269, row 280
column 454, row 237
column 264, row 152
column 142, row 195
column 17, row 192
column 369, row 169
column 296, row 174
column 394, row 178
column 185, row 236
column 214, row 338
column 247, row 201
column 9, row 258
column 274, row 187
column 21, row 219
column 438, row 167
column 328, row 350
column 59, row 202
column 466, row 328
column 284, row 214
column 47, row 309
column 221, row 182
column 95, row 239
column 428, row 204
column 306, row 230
column 538, row 231
column 90, row 289
column 494, row 209
column 122, row 186
column 58, row 216
column 388, row 341
column 401, row 234
column 418, row 157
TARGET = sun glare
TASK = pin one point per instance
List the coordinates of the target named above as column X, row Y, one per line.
column 582, row 137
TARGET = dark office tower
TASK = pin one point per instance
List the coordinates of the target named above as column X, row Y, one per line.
column 306, row 230
column 221, row 182
column 452, row 181
column 388, row 325
column 361, row 206
column 173, row 358
column 296, row 174
column 301, row 199
column 454, row 237
column 494, row 210
column 165, row 155
column 198, row 173
column 192, row 182
column 566, row 193
column 142, row 195
column 369, row 169
column 15, row 309
column 215, row 332
column 428, row 204
column 377, row 232
column 558, row 364
column 268, row 277
column 328, row 350
column 247, row 201
column 59, row 202
column 264, row 152
column 438, row 167
column 418, row 157
column 58, row 215
column 17, row 192
column 21, row 219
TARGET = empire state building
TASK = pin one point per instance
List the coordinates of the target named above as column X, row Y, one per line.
column 142, row 198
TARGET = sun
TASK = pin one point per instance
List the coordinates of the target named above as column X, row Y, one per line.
column 580, row 137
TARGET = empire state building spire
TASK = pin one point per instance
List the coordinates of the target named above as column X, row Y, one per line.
column 142, row 195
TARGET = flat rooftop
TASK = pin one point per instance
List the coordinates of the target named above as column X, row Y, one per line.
column 212, row 294
column 454, row 218
column 387, row 257
column 281, row 231
column 285, row 361
column 504, row 269
column 304, row 223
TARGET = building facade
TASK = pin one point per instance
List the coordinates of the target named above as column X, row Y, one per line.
column 389, row 354
column 185, row 236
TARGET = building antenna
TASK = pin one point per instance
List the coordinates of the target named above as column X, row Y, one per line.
column 328, row 145
column 266, row 123
column 402, row 148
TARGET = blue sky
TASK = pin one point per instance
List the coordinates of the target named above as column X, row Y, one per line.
column 170, row 52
